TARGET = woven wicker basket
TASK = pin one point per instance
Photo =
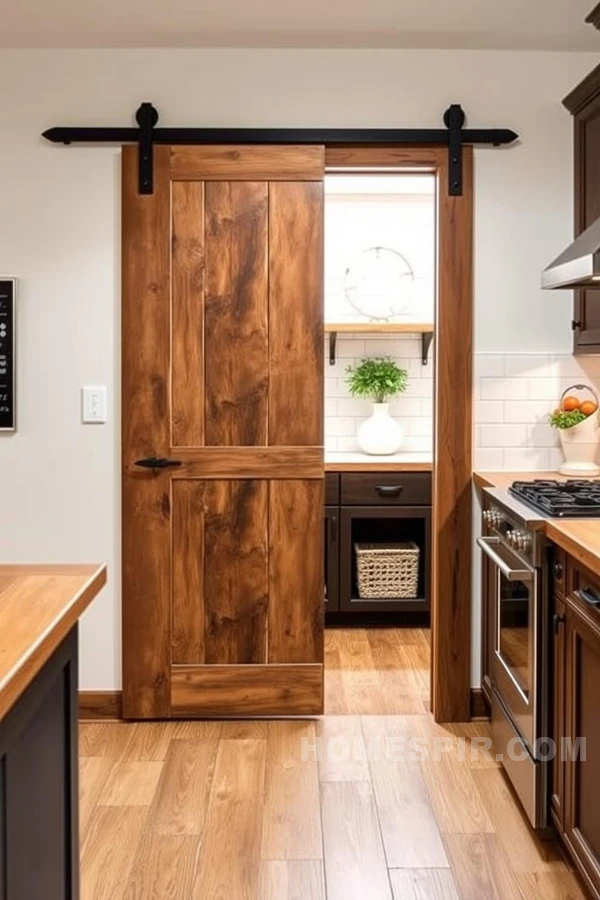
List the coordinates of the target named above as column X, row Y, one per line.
column 387, row 570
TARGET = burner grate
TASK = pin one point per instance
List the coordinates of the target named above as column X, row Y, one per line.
column 560, row 499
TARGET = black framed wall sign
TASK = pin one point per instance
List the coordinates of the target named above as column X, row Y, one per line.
column 8, row 298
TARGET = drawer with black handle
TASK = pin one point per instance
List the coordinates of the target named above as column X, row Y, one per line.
column 584, row 591
column 386, row 489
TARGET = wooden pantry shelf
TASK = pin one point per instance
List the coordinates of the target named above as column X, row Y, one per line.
column 425, row 329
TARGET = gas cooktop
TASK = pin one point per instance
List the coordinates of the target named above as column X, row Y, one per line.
column 560, row 499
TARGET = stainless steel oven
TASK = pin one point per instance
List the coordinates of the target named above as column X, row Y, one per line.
column 516, row 604
column 514, row 610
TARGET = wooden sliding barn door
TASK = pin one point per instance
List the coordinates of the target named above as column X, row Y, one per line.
column 222, row 335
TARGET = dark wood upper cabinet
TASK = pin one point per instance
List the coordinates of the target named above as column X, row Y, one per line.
column 584, row 105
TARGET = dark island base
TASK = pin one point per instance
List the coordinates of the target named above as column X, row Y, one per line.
column 39, row 846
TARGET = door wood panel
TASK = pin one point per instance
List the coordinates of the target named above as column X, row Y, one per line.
column 296, row 572
column 237, row 344
column 247, row 163
column 145, row 432
column 222, row 372
column 188, row 572
column 296, row 337
column 187, row 322
column 236, row 571
column 223, row 691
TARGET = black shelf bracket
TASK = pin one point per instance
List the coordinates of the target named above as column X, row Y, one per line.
column 426, row 340
column 146, row 135
column 332, row 347
column 454, row 119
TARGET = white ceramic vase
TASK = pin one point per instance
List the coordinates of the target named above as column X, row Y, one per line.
column 580, row 447
column 380, row 434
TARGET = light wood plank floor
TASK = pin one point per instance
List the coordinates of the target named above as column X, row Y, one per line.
column 346, row 807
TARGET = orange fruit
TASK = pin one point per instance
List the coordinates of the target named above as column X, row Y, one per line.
column 588, row 407
column 570, row 403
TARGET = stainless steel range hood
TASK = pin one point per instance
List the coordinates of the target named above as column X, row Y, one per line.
column 579, row 265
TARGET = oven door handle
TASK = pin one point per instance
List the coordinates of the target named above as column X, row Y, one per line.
column 487, row 544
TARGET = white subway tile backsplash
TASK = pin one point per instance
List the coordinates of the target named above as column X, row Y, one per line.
column 503, row 435
column 524, row 459
column 521, row 366
column 500, row 389
column 488, row 459
column 542, row 435
column 543, row 389
column 525, row 411
column 489, row 411
column 511, row 410
column 513, row 395
column 490, row 365
column 354, row 407
column 341, row 426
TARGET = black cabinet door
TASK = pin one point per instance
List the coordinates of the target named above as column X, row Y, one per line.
column 582, row 775
column 374, row 524
column 558, row 712
column 332, row 559
column 586, row 317
column 39, row 852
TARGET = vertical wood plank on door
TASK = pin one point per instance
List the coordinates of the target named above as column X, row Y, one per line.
column 187, row 536
column 296, row 605
column 187, row 323
column 236, row 585
column 236, row 337
column 146, row 432
column 295, row 313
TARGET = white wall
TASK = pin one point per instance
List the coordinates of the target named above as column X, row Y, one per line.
column 59, row 233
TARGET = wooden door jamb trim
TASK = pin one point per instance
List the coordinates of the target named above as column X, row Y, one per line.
column 451, row 528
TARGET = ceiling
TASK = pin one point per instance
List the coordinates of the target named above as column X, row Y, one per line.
column 436, row 24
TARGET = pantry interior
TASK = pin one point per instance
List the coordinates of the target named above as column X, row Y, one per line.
column 380, row 282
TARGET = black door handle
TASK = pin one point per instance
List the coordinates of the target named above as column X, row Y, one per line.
column 157, row 462
column 557, row 621
column 389, row 490
column 589, row 596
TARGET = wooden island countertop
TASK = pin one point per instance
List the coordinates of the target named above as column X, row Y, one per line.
column 39, row 605
column 578, row 537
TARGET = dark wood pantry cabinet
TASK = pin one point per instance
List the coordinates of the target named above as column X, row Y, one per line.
column 576, row 771
column 374, row 507
column 584, row 105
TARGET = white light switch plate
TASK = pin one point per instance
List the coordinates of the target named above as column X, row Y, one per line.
column 93, row 404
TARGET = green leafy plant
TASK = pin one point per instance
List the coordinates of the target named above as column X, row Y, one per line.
column 561, row 419
column 379, row 378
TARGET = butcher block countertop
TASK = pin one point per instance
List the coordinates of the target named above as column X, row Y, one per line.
column 362, row 462
column 39, row 605
column 578, row 537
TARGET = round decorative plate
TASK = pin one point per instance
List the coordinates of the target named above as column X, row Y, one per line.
column 379, row 283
